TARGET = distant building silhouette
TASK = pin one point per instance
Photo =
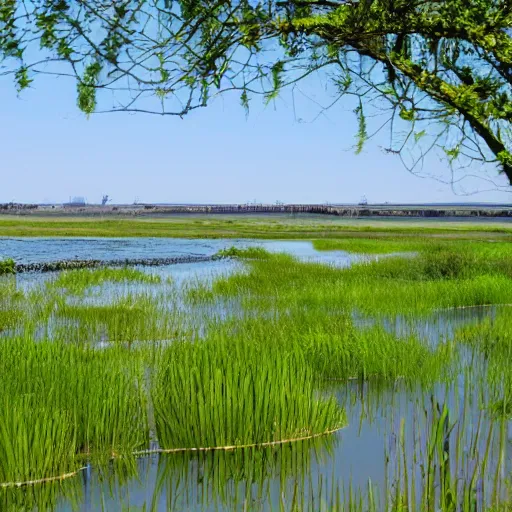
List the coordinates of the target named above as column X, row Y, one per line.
column 76, row 202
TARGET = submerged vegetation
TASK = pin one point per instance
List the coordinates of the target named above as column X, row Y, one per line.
column 241, row 383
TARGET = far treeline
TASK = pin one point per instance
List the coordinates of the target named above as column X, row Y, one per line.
column 440, row 71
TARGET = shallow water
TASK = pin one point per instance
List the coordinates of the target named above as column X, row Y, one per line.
column 34, row 250
column 434, row 327
column 368, row 449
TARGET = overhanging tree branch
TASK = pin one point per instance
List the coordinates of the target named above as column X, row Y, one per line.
column 444, row 67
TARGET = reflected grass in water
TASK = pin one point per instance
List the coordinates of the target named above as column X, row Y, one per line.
column 77, row 282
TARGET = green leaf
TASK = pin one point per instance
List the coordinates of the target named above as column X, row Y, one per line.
column 244, row 101
column 419, row 135
column 86, row 88
column 22, row 79
column 406, row 114
column 452, row 153
column 276, row 71
column 362, row 134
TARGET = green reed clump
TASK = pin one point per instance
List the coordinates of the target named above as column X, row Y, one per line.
column 129, row 318
column 437, row 263
column 7, row 266
column 36, row 441
column 277, row 274
column 65, row 404
column 392, row 286
column 220, row 393
column 11, row 304
column 378, row 245
column 394, row 296
column 78, row 281
column 246, row 253
column 375, row 353
column 446, row 260
column 334, row 348
column 9, row 318
column 436, row 278
column 492, row 338
column 199, row 293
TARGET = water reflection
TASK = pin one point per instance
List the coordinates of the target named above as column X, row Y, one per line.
column 35, row 250
column 434, row 327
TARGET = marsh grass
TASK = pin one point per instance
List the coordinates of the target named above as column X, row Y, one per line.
column 492, row 338
column 11, row 304
column 7, row 266
column 127, row 319
column 76, row 282
column 247, row 253
column 438, row 278
column 267, row 368
column 336, row 350
column 72, row 403
column 226, row 392
column 66, row 405
column 441, row 458
column 380, row 245
column 260, row 226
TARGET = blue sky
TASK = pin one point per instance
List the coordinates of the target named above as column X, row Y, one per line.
column 50, row 151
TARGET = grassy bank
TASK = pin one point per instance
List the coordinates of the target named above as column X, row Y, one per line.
column 265, row 227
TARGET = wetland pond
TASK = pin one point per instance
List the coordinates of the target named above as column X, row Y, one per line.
column 400, row 395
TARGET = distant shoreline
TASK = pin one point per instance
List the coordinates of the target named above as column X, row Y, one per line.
column 251, row 225
column 349, row 211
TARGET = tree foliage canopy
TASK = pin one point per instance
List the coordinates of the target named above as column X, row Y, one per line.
column 441, row 70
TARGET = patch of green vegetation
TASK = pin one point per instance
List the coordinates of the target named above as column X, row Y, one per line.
column 281, row 227
column 492, row 337
column 334, row 349
column 306, row 308
column 272, row 353
column 74, row 402
column 7, row 266
column 77, row 282
column 127, row 319
column 382, row 245
column 247, row 253
column 231, row 392
column 11, row 310
column 9, row 318
column 66, row 404
column 451, row 274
